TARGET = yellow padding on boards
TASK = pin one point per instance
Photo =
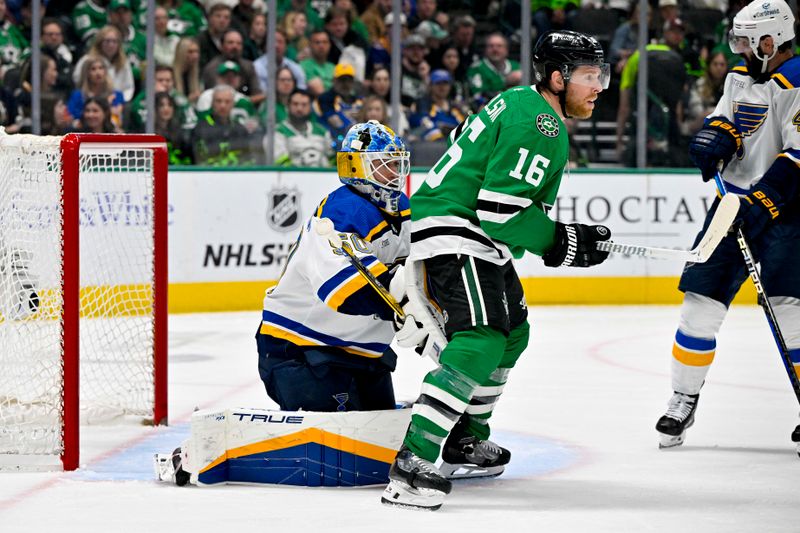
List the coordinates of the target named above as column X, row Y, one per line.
column 310, row 435
column 692, row 358
column 249, row 295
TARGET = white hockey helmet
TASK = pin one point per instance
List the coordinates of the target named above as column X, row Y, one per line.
column 757, row 20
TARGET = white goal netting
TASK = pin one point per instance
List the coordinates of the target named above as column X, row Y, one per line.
column 116, row 289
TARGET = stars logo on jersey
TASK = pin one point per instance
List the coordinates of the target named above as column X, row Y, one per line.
column 547, row 124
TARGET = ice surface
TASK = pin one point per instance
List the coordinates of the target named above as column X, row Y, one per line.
column 578, row 415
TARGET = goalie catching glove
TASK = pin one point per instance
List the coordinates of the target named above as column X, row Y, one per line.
column 715, row 143
column 576, row 246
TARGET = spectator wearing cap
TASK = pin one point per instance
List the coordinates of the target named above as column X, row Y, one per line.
column 668, row 10
column 337, row 107
column 462, row 38
column 87, row 19
column 281, row 61
column 243, row 112
column 495, row 72
column 210, row 39
column 231, row 50
column 299, row 140
column 218, row 139
column 675, row 38
column 134, row 42
column 374, row 18
column 317, row 68
column 414, row 82
column 380, row 51
column 437, row 115
column 346, row 45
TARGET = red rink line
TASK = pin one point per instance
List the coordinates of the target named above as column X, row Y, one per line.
column 45, row 485
column 596, row 352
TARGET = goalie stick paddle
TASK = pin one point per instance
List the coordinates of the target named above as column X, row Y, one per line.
column 717, row 228
column 324, row 227
column 763, row 300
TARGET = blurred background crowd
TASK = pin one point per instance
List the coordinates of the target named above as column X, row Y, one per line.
column 333, row 69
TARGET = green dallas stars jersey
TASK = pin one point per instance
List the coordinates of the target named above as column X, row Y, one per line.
column 489, row 194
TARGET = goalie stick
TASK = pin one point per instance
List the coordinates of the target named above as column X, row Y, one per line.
column 717, row 228
column 325, row 228
column 763, row 301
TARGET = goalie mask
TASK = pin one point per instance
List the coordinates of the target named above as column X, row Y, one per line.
column 375, row 162
column 757, row 20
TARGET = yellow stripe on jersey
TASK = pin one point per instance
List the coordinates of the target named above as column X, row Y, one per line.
column 336, row 299
column 297, row 340
column 374, row 231
column 321, row 205
column 686, row 357
column 740, row 69
column 781, row 80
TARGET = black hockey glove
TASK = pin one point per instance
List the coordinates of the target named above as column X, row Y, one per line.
column 716, row 142
column 575, row 246
column 760, row 208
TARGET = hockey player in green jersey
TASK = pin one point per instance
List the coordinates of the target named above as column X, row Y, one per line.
column 484, row 202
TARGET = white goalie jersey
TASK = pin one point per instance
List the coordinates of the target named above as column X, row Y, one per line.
column 320, row 299
column 767, row 115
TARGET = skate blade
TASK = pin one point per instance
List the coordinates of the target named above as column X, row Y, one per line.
column 670, row 441
column 467, row 471
column 162, row 464
column 402, row 495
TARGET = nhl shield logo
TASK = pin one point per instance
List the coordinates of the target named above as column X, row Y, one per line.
column 283, row 209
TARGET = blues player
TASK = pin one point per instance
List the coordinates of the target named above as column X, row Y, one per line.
column 323, row 343
column 755, row 133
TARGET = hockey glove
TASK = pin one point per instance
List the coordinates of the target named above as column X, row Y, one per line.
column 715, row 143
column 759, row 209
column 408, row 332
column 576, row 246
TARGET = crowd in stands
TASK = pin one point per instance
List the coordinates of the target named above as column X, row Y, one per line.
column 333, row 69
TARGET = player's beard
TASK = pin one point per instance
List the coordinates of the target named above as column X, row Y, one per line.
column 578, row 107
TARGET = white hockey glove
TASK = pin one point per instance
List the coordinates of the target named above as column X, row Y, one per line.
column 409, row 332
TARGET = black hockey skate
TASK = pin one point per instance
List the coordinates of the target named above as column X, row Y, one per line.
column 468, row 456
column 796, row 438
column 678, row 418
column 415, row 483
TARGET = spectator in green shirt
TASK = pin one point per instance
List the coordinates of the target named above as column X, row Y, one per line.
column 495, row 72
column 319, row 71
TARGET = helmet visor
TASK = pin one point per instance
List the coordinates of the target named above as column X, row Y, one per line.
column 739, row 44
column 388, row 169
column 590, row 75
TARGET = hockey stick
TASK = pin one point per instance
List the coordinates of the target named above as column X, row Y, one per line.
column 325, row 229
column 763, row 301
column 717, row 228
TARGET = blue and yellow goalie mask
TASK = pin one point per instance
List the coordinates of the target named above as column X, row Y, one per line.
column 375, row 162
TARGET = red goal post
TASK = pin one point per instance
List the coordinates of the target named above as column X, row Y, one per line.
column 83, row 290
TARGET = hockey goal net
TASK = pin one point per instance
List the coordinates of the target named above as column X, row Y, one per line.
column 83, row 241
